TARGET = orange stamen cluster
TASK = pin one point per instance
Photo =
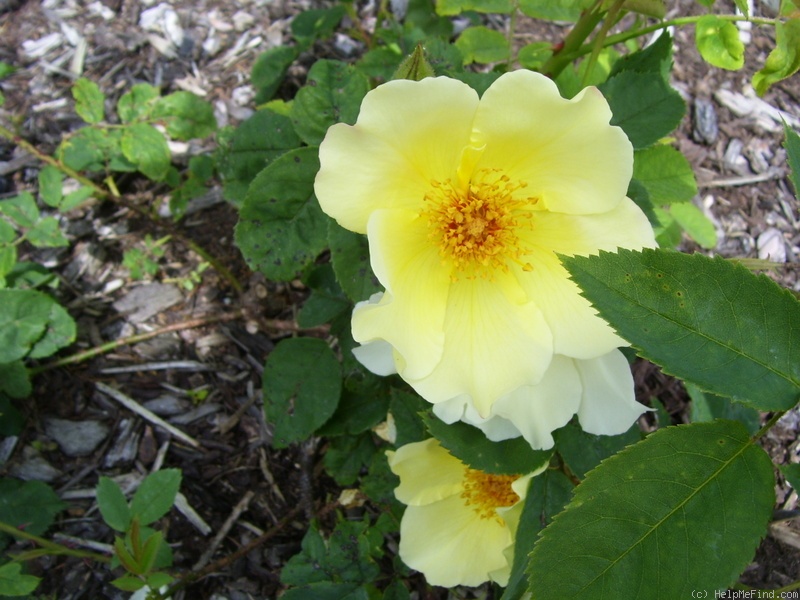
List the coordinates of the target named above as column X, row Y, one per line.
column 486, row 492
column 477, row 228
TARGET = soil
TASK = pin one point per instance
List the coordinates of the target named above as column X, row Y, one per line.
column 219, row 338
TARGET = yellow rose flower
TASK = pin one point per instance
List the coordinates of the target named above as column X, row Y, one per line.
column 465, row 202
column 459, row 524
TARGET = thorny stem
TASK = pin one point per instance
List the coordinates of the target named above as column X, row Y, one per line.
column 115, row 196
column 52, row 547
column 134, row 339
column 571, row 51
column 597, row 43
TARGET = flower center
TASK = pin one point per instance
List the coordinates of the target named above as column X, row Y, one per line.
column 477, row 228
column 485, row 492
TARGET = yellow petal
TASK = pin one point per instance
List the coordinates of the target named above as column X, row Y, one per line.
column 428, row 473
column 578, row 332
column 565, row 150
column 536, row 411
column 451, row 545
column 493, row 344
column 608, row 405
column 410, row 316
column 407, row 134
column 625, row 226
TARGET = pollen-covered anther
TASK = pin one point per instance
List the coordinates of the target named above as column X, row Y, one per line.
column 477, row 229
column 485, row 492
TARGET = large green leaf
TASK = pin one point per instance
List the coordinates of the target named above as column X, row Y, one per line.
column 145, row 146
column 706, row 320
column 281, row 227
column 60, row 332
column 333, row 94
column 665, row 173
column 113, row 505
column 471, row 446
column 187, row 116
column 682, row 510
column 643, row 105
column 482, row 45
column 25, row 316
column 89, row 100
column 656, row 58
column 29, row 504
column 302, row 385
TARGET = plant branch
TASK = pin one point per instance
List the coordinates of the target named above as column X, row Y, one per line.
column 134, row 339
column 769, row 425
column 51, row 547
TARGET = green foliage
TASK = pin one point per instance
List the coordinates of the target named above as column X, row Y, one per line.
column 14, row 583
column 269, row 70
column 32, row 325
column 302, row 386
column 333, row 95
column 687, row 507
column 31, row 505
column 671, row 306
column 643, row 105
column 454, row 7
column 281, row 228
column 470, row 445
column 792, row 145
column 718, row 42
column 89, row 100
column 582, row 452
column 348, row 556
column 564, row 10
column 142, row 262
column 665, row 174
column 707, row 407
column 482, row 45
column 350, row 259
column 784, row 60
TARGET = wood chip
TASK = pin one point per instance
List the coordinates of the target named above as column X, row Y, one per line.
column 140, row 410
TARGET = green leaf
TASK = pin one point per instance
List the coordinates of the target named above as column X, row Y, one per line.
column 21, row 209
column 708, row 321
column 454, row 7
column 325, row 590
column 281, row 227
column 31, row 505
column 113, row 505
column 326, row 301
column 6, row 70
column 186, row 116
column 665, row 173
column 255, row 144
column 47, row 233
column 547, row 496
column 792, row 145
column 686, row 508
column 14, row 379
column 24, row 316
column 471, row 446
column 332, row 94
column 50, row 180
column 145, row 147
column 150, row 551
column 792, row 474
column 784, row 60
column 718, row 43
column 93, row 149
column 347, row 455
column 563, row 10
column 312, row 25
column 128, row 583
column 59, row 333
column 364, row 403
column 643, row 105
column 656, row 58
column 269, row 70
column 88, row 100
column 583, row 451
column 155, row 495
column 743, row 7
column 707, row 407
column 12, row 421
column 534, row 55
column 406, row 410
column 302, row 385
column 348, row 557
column 350, row 258
column 695, row 224
column 76, row 198
column 14, row 583
column 137, row 103
column 482, row 45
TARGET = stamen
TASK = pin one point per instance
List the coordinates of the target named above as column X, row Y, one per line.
column 486, row 492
